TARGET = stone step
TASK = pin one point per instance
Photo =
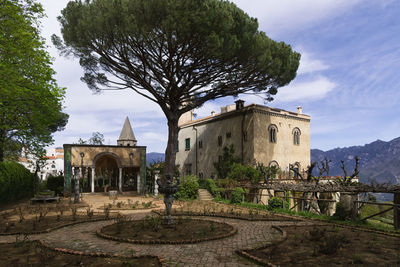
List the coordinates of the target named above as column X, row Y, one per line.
column 204, row 195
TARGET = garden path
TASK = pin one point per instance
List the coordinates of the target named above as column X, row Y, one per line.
column 251, row 234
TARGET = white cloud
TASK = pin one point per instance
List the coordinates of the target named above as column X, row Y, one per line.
column 310, row 65
column 305, row 91
column 276, row 16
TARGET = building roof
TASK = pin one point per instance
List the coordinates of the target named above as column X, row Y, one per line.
column 265, row 109
column 127, row 132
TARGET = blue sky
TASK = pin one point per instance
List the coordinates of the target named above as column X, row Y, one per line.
column 347, row 82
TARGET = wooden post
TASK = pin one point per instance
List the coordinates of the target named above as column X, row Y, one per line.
column 354, row 210
column 396, row 211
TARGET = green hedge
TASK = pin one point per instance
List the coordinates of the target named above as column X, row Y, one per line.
column 188, row 188
column 237, row 195
column 56, row 184
column 211, row 187
column 16, row 181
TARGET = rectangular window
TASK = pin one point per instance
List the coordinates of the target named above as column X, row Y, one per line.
column 228, row 135
column 201, row 175
column 187, row 144
column 219, row 140
column 200, row 144
column 219, row 158
column 177, row 146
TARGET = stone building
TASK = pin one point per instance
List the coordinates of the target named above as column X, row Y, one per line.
column 101, row 168
column 258, row 133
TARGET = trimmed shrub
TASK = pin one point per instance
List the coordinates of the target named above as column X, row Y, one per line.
column 188, row 188
column 236, row 196
column 275, row 203
column 211, row 187
column 16, row 181
column 240, row 172
column 55, row 183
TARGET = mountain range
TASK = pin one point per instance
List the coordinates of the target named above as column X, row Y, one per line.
column 379, row 161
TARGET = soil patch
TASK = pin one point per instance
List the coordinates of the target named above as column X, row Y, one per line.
column 331, row 246
column 33, row 225
column 153, row 230
column 32, row 253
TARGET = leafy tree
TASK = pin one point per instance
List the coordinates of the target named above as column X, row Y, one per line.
column 240, row 172
column 176, row 53
column 96, row 139
column 225, row 162
column 30, row 100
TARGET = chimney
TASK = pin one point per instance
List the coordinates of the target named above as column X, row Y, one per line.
column 213, row 113
column 299, row 110
column 239, row 104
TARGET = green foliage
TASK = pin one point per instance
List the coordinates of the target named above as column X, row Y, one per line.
column 178, row 54
column 96, row 139
column 188, row 188
column 56, row 184
column 237, row 195
column 16, row 181
column 30, row 100
column 245, row 173
column 275, row 203
column 226, row 183
column 224, row 166
column 210, row 185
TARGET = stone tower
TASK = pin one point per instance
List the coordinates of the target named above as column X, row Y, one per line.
column 127, row 138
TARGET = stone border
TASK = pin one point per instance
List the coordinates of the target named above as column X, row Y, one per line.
column 94, row 254
column 244, row 253
column 117, row 209
column 56, row 227
column 167, row 242
column 228, row 216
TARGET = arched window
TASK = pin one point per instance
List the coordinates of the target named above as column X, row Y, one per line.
column 296, row 170
column 296, row 136
column 273, row 163
column 272, row 132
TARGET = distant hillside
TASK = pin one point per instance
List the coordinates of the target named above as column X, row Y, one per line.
column 154, row 157
column 379, row 160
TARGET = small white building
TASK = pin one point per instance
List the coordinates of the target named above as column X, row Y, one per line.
column 53, row 165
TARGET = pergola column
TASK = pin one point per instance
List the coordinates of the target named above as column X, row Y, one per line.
column 156, row 177
column 138, row 182
column 92, row 181
column 120, row 179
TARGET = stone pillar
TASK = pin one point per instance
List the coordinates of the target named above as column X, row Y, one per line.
column 138, row 183
column 76, row 191
column 156, row 177
column 92, row 181
column 120, row 180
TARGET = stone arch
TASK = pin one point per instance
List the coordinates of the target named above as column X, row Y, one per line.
column 102, row 154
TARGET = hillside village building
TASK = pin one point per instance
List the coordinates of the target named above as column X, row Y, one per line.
column 258, row 133
column 104, row 167
column 53, row 164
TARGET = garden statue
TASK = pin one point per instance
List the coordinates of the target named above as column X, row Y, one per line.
column 168, row 189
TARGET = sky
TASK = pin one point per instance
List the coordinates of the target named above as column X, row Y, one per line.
column 348, row 80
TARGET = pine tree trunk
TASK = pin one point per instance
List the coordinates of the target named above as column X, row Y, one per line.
column 170, row 152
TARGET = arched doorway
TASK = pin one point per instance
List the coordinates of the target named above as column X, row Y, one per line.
column 106, row 172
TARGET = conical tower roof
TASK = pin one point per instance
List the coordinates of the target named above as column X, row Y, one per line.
column 127, row 133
